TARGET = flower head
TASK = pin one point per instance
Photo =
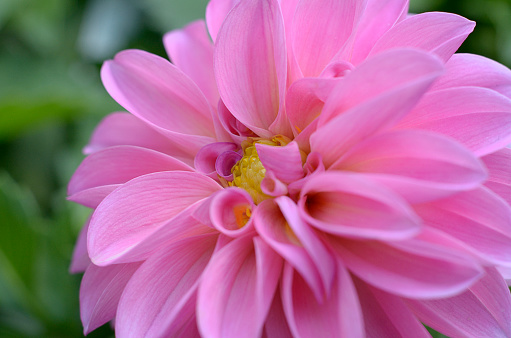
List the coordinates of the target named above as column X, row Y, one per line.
column 320, row 168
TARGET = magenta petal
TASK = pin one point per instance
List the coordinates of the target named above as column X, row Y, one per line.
column 478, row 218
column 80, row 260
column 116, row 165
column 479, row 118
column 318, row 33
column 100, row 292
column 464, row 70
column 250, row 63
column 157, row 92
column 237, row 288
column 386, row 315
column 439, row 33
column 205, row 160
column 349, row 114
column 160, row 297
column 285, row 162
column 225, row 208
column 482, row 311
column 347, row 204
column 191, row 51
column 140, row 208
column 277, row 229
column 339, row 315
column 276, row 323
column 416, row 268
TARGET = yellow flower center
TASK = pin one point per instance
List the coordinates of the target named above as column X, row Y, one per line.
column 249, row 172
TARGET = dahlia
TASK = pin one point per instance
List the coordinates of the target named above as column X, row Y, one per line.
column 322, row 168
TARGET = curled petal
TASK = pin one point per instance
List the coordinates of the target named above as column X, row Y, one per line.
column 350, row 205
column 160, row 297
column 439, row 33
column 100, row 292
column 143, row 208
column 205, row 160
column 285, row 162
column 237, row 289
column 272, row 186
column 230, row 211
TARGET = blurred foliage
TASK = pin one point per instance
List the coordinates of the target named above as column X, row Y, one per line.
column 51, row 97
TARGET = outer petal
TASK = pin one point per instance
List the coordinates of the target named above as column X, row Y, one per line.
column 250, row 63
column 116, row 165
column 434, row 165
column 191, row 51
column 475, row 70
column 140, row 208
column 386, row 315
column 237, row 289
column 100, row 292
column 479, row 118
column 417, row 268
column 91, row 197
column 439, row 33
column 160, row 297
column 276, row 323
column 357, row 109
column 350, row 205
column 483, row 311
column 285, row 162
column 154, row 90
column 338, row 316
column 216, row 13
column 478, row 218
column 80, row 260
column 499, row 168
column 318, row 33
column 125, row 129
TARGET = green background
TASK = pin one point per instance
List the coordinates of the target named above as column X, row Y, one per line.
column 51, row 98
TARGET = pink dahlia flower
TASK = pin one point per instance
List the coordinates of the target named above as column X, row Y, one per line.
column 321, row 168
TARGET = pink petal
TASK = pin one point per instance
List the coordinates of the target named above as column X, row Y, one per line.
column 100, row 292
column 475, row 70
column 80, row 260
column 499, row 168
column 288, row 235
column 417, row 268
column 91, row 197
column 378, row 17
column 339, row 315
column 349, row 114
column 478, row 218
column 216, row 12
column 272, row 186
column 318, row 33
column 160, row 297
column 482, row 311
column 250, row 64
column 116, row 165
column 158, row 93
column 125, row 129
column 140, row 208
column 434, row 165
column 386, row 315
column 435, row 32
column 225, row 208
column 276, row 323
column 347, row 204
column 237, row 288
column 479, row 118
column 285, row 162
column 191, row 51
column 205, row 160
